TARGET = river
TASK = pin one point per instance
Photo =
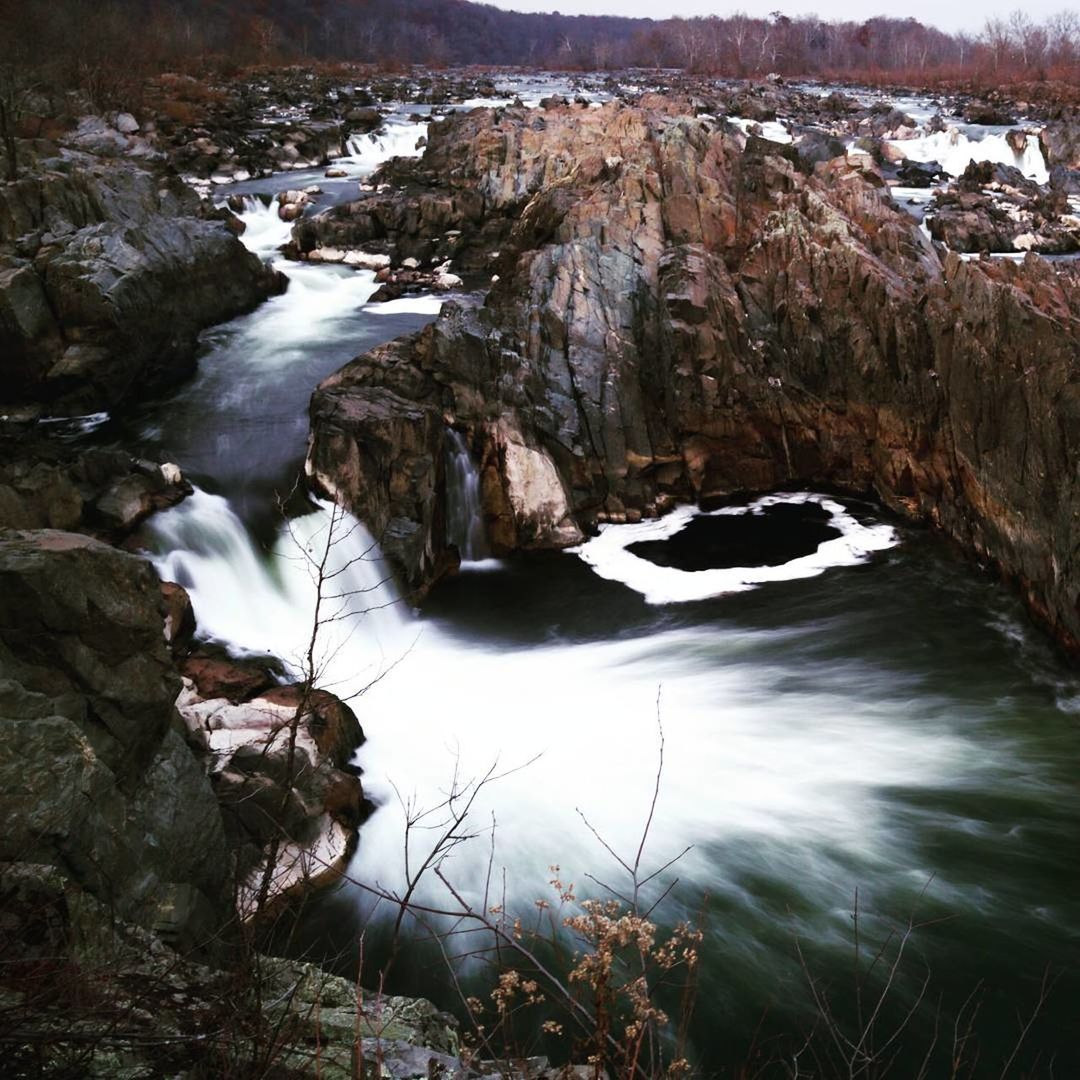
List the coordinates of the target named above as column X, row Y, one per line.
column 880, row 720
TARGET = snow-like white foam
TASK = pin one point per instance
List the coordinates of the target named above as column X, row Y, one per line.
column 204, row 546
column 79, row 425
column 772, row 130
column 955, row 151
column 607, row 553
column 407, row 305
column 485, row 103
column 265, row 232
column 919, row 195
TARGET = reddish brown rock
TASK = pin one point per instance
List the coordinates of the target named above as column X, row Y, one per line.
column 225, row 677
column 682, row 313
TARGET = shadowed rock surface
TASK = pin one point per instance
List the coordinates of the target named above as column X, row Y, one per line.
column 97, row 779
column 682, row 313
column 108, row 271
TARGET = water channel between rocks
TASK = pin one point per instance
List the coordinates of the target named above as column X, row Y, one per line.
column 882, row 720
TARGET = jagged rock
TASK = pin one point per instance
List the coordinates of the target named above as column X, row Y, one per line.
column 363, row 119
column 179, row 617
column 225, row 677
column 994, row 207
column 279, row 760
column 921, row 174
column 1060, row 142
column 44, row 485
column 81, row 985
column 707, row 320
column 95, row 780
column 984, row 112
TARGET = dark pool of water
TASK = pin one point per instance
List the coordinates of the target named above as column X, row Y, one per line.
column 772, row 537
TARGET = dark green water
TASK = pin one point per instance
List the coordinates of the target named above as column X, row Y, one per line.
column 895, row 729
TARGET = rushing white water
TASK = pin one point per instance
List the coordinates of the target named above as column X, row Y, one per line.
column 606, row 553
column 954, row 151
column 773, row 130
column 397, row 138
column 264, row 230
column 324, row 558
column 74, row 425
column 464, row 519
column 458, row 706
column 408, row 305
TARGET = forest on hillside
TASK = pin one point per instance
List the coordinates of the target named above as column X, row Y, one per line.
column 94, row 44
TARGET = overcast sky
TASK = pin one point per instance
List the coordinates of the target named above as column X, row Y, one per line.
column 958, row 15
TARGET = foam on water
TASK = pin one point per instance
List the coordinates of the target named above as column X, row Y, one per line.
column 396, row 139
column 795, row 774
column 265, row 232
column 265, row 602
column 607, row 553
column 456, row 705
column 74, row 425
column 408, row 305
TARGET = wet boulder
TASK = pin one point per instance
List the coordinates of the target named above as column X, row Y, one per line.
column 279, row 762
column 920, row 174
column 120, row 273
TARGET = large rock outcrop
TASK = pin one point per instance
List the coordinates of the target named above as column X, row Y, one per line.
column 97, row 778
column 682, row 313
column 108, row 271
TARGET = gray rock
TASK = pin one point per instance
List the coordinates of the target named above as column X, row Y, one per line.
column 127, row 273
column 94, row 779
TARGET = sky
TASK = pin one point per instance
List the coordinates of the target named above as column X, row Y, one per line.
column 966, row 15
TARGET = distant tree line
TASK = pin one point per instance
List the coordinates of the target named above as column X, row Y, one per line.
column 108, row 46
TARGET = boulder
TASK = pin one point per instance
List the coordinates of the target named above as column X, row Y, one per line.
column 109, row 275
column 95, row 780
column 985, row 112
column 279, row 760
column 47, row 485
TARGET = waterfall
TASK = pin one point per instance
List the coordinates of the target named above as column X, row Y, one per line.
column 954, row 150
column 464, row 517
column 265, row 602
column 396, row 139
column 265, row 231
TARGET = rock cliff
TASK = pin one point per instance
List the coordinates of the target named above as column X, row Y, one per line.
column 682, row 312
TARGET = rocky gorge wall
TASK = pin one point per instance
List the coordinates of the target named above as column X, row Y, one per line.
column 108, row 271
column 681, row 312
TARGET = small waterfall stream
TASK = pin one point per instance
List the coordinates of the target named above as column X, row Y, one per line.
column 264, row 603
column 464, row 516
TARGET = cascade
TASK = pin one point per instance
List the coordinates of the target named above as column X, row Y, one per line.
column 265, row 602
column 464, row 519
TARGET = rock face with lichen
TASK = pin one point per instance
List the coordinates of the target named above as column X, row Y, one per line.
column 685, row 313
